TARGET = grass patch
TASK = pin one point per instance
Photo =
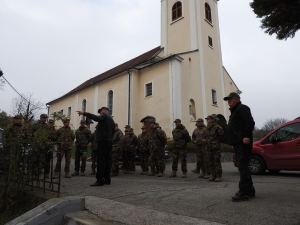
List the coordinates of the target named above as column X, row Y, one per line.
column 192, row 147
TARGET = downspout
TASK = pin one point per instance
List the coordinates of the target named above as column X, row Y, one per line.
column 129, row 99
column 48, row 107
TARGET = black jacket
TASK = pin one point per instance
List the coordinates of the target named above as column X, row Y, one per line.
column 240, row 125
column 105, row 128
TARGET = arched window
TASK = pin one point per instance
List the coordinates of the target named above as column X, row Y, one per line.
column 110, row 101
column 83, row 108
column 176, row 11
column 208, row 12
column 192, row 109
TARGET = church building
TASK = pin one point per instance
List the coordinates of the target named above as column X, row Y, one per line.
column 182, row 78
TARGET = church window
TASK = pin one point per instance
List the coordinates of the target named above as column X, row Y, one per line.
column 208, row 13
column 110, row 101
column 210, row 41
column 83, row 108
column 69, row 111
column 192, row 110
column 176, row 11
column 214, row 97
column 148, row 89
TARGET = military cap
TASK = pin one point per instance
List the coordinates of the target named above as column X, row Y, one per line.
column 211, row 117
column 99, row 110
column 82, row 121
column 127, row 126
column 232, row 95
column 43, row 116
column 146, row 118
column 144, row 127
column 177, row 120
column 199, row 120
column 66, row 120
column 17, row 117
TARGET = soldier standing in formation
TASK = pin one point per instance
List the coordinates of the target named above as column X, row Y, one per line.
column 83, row 138
column 116, row 151
column 202, row 154
column 158, row 141
column 181, row 137
column 65, row 139
column 214, row 134
column 143, row 143
column 129, row 143
column 94, row 152
column 49, row 153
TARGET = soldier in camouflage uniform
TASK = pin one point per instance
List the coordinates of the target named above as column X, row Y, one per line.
column 83, row 137
column 144, row 150
column 116, row 151
column 14, row 139
column 94, row 153
column 181, row 137
column 65, row 139
column 158, row 140
column 129, row 144
column 214, row 134
column 41, row 144
column 49, row 153
column 202, row 154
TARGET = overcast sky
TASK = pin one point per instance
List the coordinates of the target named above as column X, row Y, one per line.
column 47, row 48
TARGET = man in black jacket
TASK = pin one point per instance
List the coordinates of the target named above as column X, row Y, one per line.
column 104, row 132
column 240, row 127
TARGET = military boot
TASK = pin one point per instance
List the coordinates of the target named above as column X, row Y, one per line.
column 67, row 175
column 201, row 175
column 184, row 175
column 145, row 172
column 173, row 174
column 93, row 171
column 218, row 179
column 55, row 176
column 150, row 173
column 160, row 174
column 211, row 178
column 206, row 176
column 76, row 173
column 196, row 171
column 82, row 173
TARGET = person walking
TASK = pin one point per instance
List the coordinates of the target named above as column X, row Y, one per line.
column 240, row 127
column 105, row 130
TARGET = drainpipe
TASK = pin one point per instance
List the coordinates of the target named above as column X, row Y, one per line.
column 129, row 96
column 48, row 108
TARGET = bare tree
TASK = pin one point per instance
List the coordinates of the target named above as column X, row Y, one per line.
column 271, row 124
column 28, row 107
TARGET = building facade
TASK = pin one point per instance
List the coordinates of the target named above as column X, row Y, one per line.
column 182, row 78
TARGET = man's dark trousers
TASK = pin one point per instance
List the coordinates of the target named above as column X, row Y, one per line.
column 243, row 154
column 104, row 149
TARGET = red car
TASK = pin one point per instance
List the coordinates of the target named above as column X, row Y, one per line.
column 279, row 150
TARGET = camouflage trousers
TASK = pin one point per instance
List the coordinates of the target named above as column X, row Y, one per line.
column 157, row 159
column 179, row 153
column 202, row 159
column 144, row 157
column 215, row 162
column 94, row 159
column 115, row 155
column 80, row 154
column 128, row 163
column 60, row 154
column 37, row 160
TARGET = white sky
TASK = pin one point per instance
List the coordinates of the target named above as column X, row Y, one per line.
column 48, row 48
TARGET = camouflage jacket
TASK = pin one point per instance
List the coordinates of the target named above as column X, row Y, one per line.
column 65, row 137
column 143, row 142
column 94, row 141
column 15, row 136
column 118, row 136
column 42, row 135
column 198, row 135
column 181, row 137
column 129, row 143
column 158, row 139
column 213, row 134
column 83, row 136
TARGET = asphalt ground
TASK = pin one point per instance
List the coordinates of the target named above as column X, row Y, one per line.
column 277, row 198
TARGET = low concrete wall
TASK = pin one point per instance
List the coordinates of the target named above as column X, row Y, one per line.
column 51, row 212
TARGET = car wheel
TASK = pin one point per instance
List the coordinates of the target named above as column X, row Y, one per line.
column 274, row 171
column 257, row 165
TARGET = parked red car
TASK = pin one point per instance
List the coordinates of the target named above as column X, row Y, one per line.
column 279, row 150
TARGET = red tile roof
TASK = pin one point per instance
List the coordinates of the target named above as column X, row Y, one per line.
column 114, row 71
